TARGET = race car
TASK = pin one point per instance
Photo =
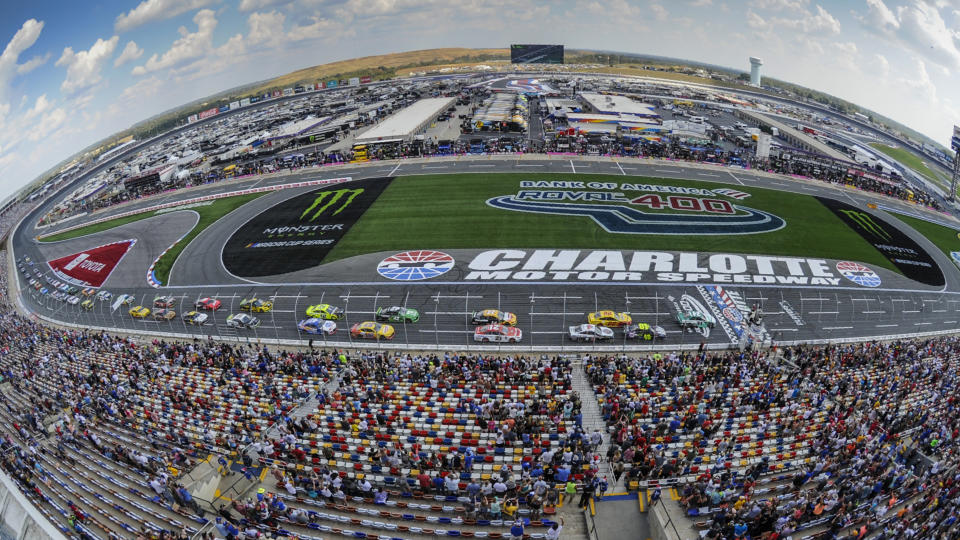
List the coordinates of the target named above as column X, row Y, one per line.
column 371, row 330
column 71, row 290
column 397, row 314
column 195, row 318
column 44, row 290
column 87, row 304
column 255, row 305
column 590, row 332
column 164, row 302
column 610, row 319
column 209, row 304
column 242, row 320
column 695, row 319
column 125, row 299
column 317, row 326
column 494, row 316
column 644, row 332
column 139, row 312
column 72, row 300
column 164, row 314
column 104, row 295
column 325, row 312
column 88, row 292
column 497, row 333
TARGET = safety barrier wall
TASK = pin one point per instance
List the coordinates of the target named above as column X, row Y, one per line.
column 19, row 519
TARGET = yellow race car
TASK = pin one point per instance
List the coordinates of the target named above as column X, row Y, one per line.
column 139, row 312
column 371, row 330
column 256, row 305
column 610, row 319
column 87, row 304
column 493, row 316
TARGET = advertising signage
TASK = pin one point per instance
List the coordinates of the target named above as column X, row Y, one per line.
column 332, row 84
column 955, row 141
column 366, row 80
column 208, row 113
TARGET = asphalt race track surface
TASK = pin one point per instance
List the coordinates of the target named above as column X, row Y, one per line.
column 544, row 310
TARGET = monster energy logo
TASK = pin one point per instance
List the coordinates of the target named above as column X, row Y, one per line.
column 325, row 201
column 865, row 221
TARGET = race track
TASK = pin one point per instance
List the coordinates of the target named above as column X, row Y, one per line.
column 545, row 310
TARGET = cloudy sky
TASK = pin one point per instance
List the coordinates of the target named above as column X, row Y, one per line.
column 72, row 73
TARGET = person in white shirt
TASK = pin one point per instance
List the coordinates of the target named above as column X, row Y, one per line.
column 553, row 533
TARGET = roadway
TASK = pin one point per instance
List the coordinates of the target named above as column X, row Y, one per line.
column 544, row 310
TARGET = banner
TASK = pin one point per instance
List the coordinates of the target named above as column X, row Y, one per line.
column 208, row 113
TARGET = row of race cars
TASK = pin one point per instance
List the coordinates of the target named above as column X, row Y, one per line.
column 492, row 325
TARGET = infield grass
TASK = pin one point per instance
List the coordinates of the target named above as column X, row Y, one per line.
column 942, row 236
column 450, row 212
column 216, row 210
column 208, row 215
column 911, row 160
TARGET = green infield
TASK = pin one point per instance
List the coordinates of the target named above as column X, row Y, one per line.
column 452, row 211
column 945, row 238
column 208, row 212
column 911, row 160
column 208, row 216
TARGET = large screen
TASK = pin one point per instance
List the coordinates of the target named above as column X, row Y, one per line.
column 536, row 54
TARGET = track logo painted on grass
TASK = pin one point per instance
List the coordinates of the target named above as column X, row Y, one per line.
column 896, row 246
column 858, row 273
column 342, row 196
column 299, row 232
column 664, row 210
column 415, row 265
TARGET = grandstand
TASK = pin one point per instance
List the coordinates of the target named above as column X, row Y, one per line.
column 105, row 435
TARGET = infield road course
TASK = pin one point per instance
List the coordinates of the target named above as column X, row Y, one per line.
column 544, row 310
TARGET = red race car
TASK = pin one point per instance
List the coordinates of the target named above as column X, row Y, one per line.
column 209, row 304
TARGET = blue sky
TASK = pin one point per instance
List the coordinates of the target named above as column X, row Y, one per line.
column 72, row 73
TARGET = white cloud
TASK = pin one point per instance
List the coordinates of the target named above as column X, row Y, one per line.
column 155, row 10
column 130, row 52
column 920, row 27
column 190, row 46
column 266, row 28
column 32, row 64
column 83, row 68
column 780, row 5
column 250, row 5
column 25, row 37
column 49, row 122
column 819, row 23
column 660, row 13
column 701, row 3
column 756, row 21
column 142, row 89
column 41, row 106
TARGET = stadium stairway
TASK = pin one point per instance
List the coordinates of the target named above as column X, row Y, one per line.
column 593, row 420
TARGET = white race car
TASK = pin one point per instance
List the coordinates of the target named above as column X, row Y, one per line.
column 590, row 332
column 492, row 333
column 242, row 320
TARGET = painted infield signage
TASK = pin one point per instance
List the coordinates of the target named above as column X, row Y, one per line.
column 648, row 266
column 896, row 246
column 660, row 209
column 91, row 267
column 298, row 233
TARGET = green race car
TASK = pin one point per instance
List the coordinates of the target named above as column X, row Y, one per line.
column 397, row 314
column 325, row 312
column 695, row 319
